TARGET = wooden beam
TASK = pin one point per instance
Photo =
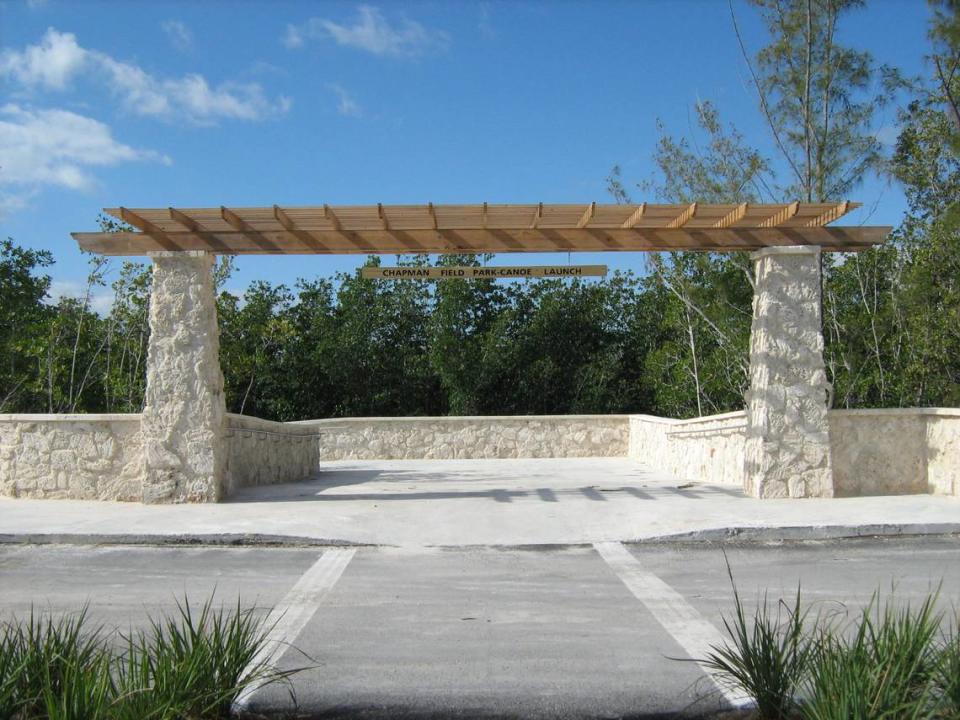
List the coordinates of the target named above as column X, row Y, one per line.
column 483, row 217
column 683, row 218
column 830, row 215
column 781, row 216
column 735, row 215
column 291, row 227
column 635, row 216
column 433, row 215
column 162, row 238
column 587, row 215
column 338, row 241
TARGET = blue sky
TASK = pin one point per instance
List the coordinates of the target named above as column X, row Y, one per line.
column 153, row 104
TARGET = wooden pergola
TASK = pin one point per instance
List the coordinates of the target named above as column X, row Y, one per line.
column 483, row 228
column 786, row 450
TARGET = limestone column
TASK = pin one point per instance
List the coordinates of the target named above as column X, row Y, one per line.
column 787, row 452
column 184, row 411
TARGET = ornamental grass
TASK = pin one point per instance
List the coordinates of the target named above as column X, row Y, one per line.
column 889, row 661
column 189, row 665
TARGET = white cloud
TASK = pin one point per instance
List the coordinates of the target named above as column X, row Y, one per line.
column 178, row 34
column 54, row 62
column 36, row 4
column 100, row 300
column 370, row 32
column 346, row 103
column 293, row 38
column 50, row 64
column 55, row 147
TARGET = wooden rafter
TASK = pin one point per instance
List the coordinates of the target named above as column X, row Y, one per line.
column 537, row 215
column 635, row 216
column 145, row 226
column 828, row 216
column 781, row 216
column 683, row 218
column 433, row 215
column 291, row 227
column 735, row 215
column 242, row 226
column 587, row 215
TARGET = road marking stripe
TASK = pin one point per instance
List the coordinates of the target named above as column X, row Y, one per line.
column 689, row 628
column 288, row 618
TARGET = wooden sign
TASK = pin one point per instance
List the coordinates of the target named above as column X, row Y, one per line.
column 499, row 272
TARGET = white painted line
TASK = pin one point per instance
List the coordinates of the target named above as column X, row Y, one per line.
column 689, row 628
column 288, row 618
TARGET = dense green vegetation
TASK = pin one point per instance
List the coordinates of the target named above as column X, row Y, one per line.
column 670, row 339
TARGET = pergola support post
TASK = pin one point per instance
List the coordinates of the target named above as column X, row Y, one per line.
column 184, row 411
column 787, row 452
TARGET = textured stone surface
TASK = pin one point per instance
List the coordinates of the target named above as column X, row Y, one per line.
column 474, row 437
column 184, row 411
column 787, row 450
column 878, row 453
column 84, row 457
column 262, row 452
column 943, row 452
column 705, row 450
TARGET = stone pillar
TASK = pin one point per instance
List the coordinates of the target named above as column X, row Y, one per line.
column 787, row 452
column 184, row 411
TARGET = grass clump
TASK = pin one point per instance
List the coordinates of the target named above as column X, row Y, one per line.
column 889, row 662
column 767, row 657
column 191, row 665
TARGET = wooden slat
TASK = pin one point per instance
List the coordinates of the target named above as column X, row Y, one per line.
column 338, row 241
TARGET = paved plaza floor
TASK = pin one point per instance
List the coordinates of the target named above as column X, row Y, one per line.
column 415, row 503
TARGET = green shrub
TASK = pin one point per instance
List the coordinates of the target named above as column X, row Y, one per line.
column 766, row 657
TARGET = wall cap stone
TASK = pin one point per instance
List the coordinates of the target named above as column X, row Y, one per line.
column 785, row 250
column 941, row 412
column 70, row 417
column 457, row 418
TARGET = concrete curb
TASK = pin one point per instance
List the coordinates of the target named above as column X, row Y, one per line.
column 734, row 534
column 213, row 539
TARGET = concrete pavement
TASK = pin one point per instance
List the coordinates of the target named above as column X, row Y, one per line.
column 482, row 632
column 417, row 503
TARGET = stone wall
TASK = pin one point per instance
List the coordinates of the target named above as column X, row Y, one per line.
column 873, row 452
column 84, row 457
column 895, row 451
column 708, row 449
column 473, row 437
column 262, row 452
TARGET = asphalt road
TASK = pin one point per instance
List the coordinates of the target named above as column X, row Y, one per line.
column 580, row 631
